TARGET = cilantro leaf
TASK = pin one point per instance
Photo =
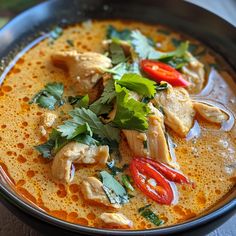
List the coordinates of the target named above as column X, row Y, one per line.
column 71, row 129
column 50, row 96
column 115, row 192
column 144, row 50
column 86, row 139
column 55, row 89
column 139, row 84
column 55, row 33
column 113, row 33
column 53, row 145
column 102, row 105
column 119, row 70
column 131, row 114
column 46, row 148
column 79, row 101
column 82, row 115
column 150, row 215
column 116, row 53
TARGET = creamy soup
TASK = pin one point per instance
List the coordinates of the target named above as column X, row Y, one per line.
column 206, row 158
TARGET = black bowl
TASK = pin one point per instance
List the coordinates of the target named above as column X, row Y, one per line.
column 180, row 15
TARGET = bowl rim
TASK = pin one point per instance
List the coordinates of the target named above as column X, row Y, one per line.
column 28, row 208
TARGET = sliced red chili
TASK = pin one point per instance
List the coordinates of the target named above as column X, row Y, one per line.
column 160, row 71
column 169, row 173
column 142, row 172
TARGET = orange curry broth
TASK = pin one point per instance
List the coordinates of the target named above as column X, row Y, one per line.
column 204, row 161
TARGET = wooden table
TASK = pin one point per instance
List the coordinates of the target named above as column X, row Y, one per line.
column 12, row 226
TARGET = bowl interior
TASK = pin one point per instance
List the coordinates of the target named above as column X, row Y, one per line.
column 216, row 33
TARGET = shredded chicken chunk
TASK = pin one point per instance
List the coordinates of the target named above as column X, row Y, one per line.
column 84, row 68
column 92, row 191
column 194, row 73
column 77, row 153
column 116, row 219
column 136, row 141
column 49, row 119
column 152, row 143
column 178, row 109
column 157, row 144
column 210, row 113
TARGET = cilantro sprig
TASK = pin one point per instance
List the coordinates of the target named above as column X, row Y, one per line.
column 50, row 96
column 146, row 51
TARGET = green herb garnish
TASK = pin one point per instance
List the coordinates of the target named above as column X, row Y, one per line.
column 79, row 101
column 114, row 169
column 50, row 96
column 70, row 42
column 55, row 34
column 116, row 53
column 113, row 33
column 103, row 104
column 115, row 192
column 126, row 181
column 150, row 215
column 139, row 84
column 131, row 114
column 144, row 50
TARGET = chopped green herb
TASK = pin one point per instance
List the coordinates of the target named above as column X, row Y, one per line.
column 79, row 101
column 50, row 96
column 113, row 33
column 71, row 129
column 46, row 148
column 115, row 192
column 131, row 114
column 145, row 50
column 103, row 104
column 139, row 84
column 116, row 53
column 161, row 87
column 126, row 181
column 114, row 169
column 119, row 70
column 82, row 116
column 55, row 34
column 150, row 215
column 53, row 145
column 145, row 100
column 193, row 48
column 70, row 42
column 176, row 42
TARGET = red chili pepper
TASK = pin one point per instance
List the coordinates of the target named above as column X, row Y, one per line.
column 160, row 71
column 141, row 172
column 169, row 173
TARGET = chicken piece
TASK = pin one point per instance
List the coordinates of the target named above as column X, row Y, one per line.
column 210, row 113
column 194, row 73
column 178, row 109
column 92, row 191
column 116, row 220
column 49, row 119
column 157, row 144
column 136, row 142
column 84, row 68
column 153, row 143
column 77, row 153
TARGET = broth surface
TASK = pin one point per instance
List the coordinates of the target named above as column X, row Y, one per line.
column 209, row 161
